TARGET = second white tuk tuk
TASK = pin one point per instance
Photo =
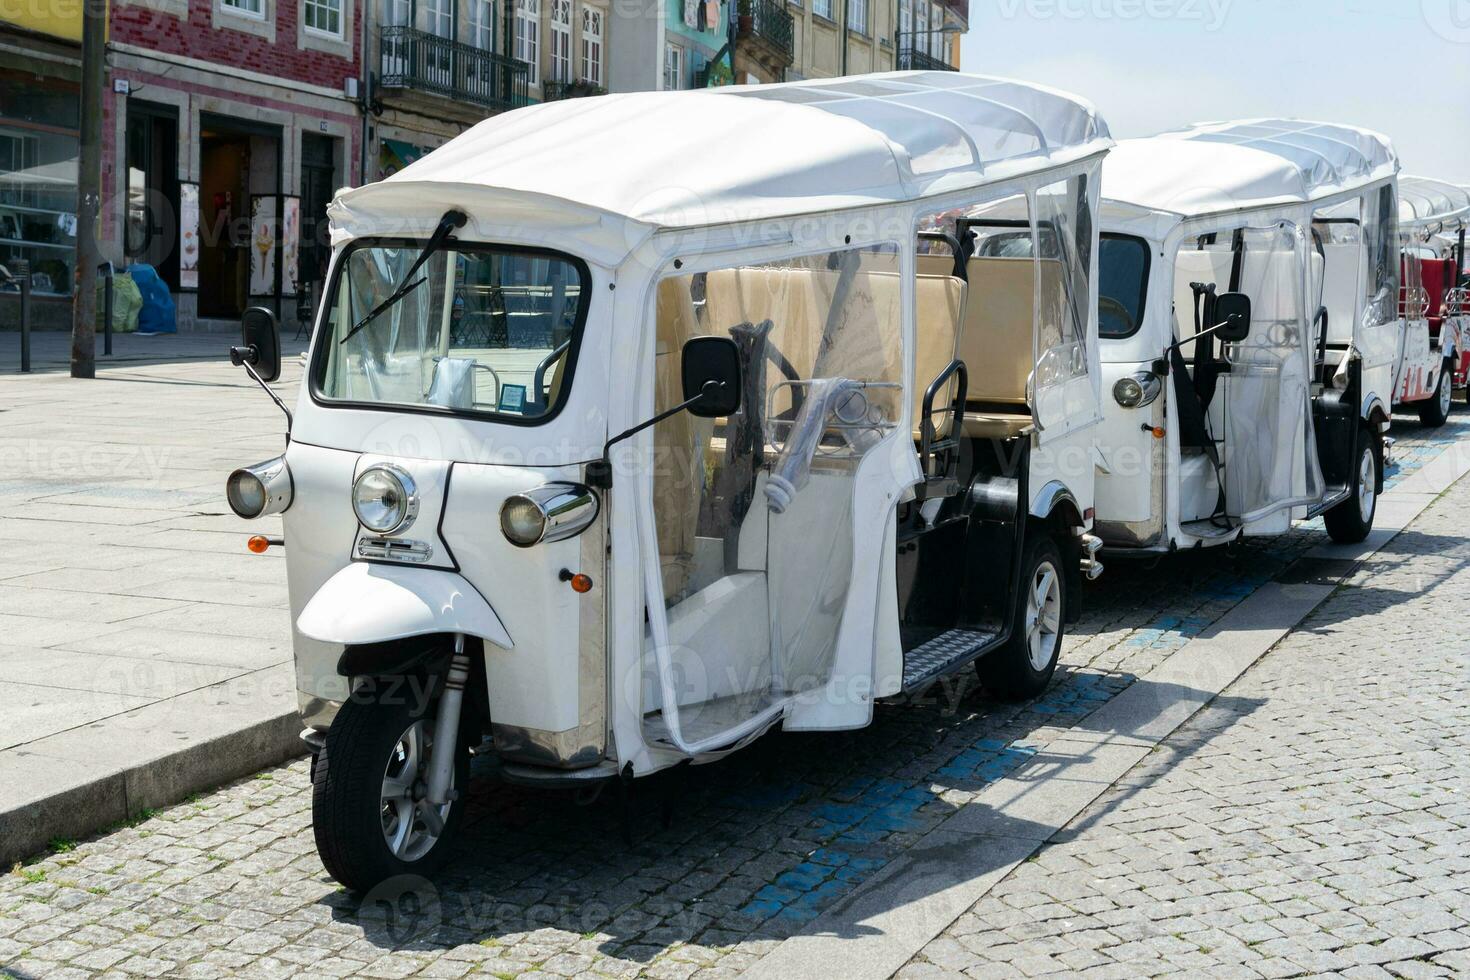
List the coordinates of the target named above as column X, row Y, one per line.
column 1249, row 285
column 1432, row 310
column 637, row 425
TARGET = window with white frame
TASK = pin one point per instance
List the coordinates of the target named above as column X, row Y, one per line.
column 561, row 40
column 822, row 8
column 323, row 16
column 396, row 13
column 936, row 22
column 905, row 23
column 528, row 37
column 250, row 8
column 592, row 45
column 439, row 17
column 673, row 66
column 921, row 26
column 482, row 24
column 857, row 15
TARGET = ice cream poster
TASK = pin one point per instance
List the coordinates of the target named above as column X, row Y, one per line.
column 264, row 243
column 188, row 236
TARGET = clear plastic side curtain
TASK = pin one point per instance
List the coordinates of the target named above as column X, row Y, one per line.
column 754, row 511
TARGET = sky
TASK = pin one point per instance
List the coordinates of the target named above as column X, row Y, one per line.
column 1401, row 67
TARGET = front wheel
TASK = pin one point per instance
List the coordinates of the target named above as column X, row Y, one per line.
column 1436, row 411
column 1350, row 521
column 368, row 805
column 1023, row 667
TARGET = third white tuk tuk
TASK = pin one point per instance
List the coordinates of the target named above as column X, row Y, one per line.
column 635, row 426
column 1432, row 309
column 1249, row 291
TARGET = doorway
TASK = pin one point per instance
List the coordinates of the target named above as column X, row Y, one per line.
column 151, row 225
column 239, row 210
column 318, row 180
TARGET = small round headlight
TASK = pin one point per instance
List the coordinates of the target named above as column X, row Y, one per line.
column 1128, row 392
column 245, row 493
column 385, row 499
column 522, row 520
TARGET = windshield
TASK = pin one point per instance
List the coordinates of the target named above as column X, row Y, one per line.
column 474, row 329
column 1122, row 285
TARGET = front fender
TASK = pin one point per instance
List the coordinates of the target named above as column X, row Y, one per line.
column 374, row 603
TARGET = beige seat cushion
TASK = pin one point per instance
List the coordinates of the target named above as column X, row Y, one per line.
column 993, row 426
column 996, row 343
column 940, row 304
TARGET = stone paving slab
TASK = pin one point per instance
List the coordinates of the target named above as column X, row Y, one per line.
column 146, row 653
column 758, row 848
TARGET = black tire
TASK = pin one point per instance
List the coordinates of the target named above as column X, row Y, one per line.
column 1009, row 671
column 1347, row 523
column 347, row 804
column 1436, row 411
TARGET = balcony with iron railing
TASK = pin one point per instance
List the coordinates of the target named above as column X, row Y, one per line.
column 910, row 59
column 417, row 61
column 768, row 25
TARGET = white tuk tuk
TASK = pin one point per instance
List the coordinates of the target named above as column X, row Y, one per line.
column 1432, row 307
column 636, row 426
column 1249, row 283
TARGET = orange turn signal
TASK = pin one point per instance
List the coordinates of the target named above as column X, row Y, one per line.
column 579, row 582
column 1158, row 431
column 258, row 543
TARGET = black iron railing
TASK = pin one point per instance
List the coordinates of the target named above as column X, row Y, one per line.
column 424, row 62
column 770, row 21
column 911, row 60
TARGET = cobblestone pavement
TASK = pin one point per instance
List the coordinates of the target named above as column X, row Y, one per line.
column 724, row 860
column 1314, row 819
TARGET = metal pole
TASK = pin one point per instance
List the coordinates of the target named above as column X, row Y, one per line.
column 20, row 269
column 106, row 308
column 367, row 96
column 89, row 191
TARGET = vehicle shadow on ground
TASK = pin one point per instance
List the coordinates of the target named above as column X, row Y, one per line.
column 759, row 846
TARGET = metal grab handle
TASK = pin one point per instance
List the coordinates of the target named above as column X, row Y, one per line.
column 957, row 409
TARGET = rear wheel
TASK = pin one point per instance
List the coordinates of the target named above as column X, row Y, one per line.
column 1350, row 521
column 1436, row 410
column 368, row 805
column 1023, row 667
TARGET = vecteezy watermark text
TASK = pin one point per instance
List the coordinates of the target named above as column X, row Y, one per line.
column 1210, row 13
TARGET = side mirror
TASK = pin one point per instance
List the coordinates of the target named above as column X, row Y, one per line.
column 261, row 343
column 711, row 374
column 1233, row 313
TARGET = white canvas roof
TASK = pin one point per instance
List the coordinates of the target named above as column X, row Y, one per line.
column 1216, row 168
column 1428, row 206
column 692, row 158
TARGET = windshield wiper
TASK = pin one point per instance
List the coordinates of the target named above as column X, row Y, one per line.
column 452, row 219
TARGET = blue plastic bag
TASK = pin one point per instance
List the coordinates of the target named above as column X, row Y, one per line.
column 158, row 314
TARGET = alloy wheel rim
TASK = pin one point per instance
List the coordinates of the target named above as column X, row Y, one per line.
column 402, row 803
column 1446, row 392
column 1043, row 615
column 1367, row 486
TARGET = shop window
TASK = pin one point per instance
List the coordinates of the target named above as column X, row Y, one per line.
column 323, row 17
column 38, row 189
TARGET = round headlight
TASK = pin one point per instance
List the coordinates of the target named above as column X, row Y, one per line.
column 245, row 493
column 522, row 520
column 1128, row 392
column 385, row 499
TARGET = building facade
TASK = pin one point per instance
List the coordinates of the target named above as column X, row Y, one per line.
column 227, row 127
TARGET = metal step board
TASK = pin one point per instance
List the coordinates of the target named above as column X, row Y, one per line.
column 942, row 655
column 704, row 719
